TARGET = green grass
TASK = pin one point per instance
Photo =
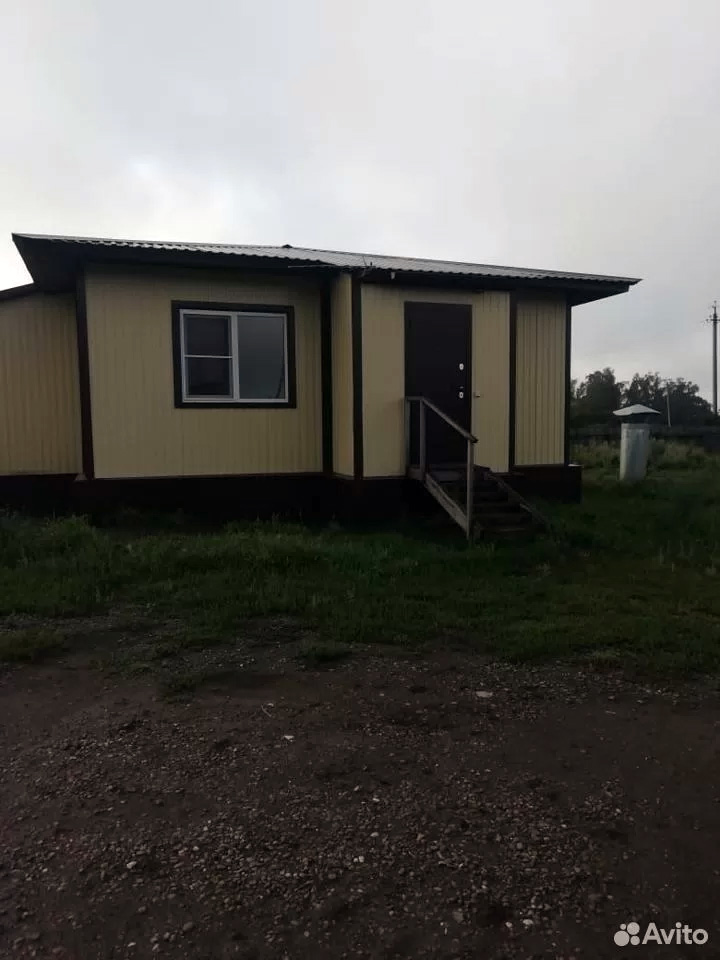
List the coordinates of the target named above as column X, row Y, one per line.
column 631, row 578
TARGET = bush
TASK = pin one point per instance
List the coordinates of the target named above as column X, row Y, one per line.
column 664, row 455
column 669, row 454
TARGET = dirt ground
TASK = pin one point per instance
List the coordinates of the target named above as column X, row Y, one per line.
column 386, row 807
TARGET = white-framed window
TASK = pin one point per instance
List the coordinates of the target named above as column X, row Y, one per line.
column 233, row 356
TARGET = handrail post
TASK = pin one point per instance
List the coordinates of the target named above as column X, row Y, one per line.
column 470, row 482
column 408, row 414
column 423, row 463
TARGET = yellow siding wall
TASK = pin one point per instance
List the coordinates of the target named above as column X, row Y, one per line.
column 39, row 397
column 383, row 325
column 383, row 381
column 138, row 432
column 491, row 380
column 540, row 410
column 342, row 379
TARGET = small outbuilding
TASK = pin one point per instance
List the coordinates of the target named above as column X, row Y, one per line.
column 635, row 440
column 637, row 413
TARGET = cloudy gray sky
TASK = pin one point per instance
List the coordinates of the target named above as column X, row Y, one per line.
column 570, row 134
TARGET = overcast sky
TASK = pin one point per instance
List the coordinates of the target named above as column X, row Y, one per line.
column 568, row 134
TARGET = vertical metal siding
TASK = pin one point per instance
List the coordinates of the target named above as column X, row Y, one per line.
column 384, row 374
column 491, row 379
column 138, row 432
column 383, row 325
column 540, row 381
column 342, row 376
column 39, row 396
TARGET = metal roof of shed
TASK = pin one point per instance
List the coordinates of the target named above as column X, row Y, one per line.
column 634, row 410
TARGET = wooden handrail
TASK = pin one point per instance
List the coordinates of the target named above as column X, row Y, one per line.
column 443, row 416
column 464, row 518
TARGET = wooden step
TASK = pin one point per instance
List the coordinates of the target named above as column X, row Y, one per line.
column 496, row 521
column 507, row 532
column 502, row 507
column 481, row 501
column 498, row 510
column 488, row 495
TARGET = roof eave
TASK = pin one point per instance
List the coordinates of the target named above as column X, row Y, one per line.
column 599, row 292
column 14, row 293
column 54, row 265
column 577, row 291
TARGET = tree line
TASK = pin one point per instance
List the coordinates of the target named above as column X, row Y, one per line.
column 594, row 399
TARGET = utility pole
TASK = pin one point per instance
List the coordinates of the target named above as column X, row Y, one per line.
column 713, row 319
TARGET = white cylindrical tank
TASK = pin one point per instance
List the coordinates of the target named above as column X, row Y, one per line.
column 634, row 449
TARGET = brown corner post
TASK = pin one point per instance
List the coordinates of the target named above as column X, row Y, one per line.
column 568, row 381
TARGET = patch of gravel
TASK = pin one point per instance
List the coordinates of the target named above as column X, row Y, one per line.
column 447, row 807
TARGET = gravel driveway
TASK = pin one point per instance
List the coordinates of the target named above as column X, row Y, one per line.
column 426, row 807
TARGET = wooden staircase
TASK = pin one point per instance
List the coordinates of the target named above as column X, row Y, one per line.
column 478, row 500
column 498, row 511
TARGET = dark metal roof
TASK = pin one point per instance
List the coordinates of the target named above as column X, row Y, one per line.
column 53, row 261
column 12, row 293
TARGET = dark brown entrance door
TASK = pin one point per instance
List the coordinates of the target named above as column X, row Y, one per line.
column 437, row 366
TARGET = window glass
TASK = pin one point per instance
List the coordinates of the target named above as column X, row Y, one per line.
column 207, row 335
column 261, row 357
column 208, row 377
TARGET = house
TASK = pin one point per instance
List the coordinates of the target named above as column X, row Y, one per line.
column 278, row 376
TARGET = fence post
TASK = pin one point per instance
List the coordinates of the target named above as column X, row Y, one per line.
column 423, row 464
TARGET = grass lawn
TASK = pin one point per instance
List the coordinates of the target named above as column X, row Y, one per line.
column 630, row 578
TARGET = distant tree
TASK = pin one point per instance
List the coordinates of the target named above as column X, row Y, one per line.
column 687, row 407
column 648, row 389
column 686, row 404
column 595, row 398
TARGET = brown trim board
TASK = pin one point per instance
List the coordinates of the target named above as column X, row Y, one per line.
column 309, row 495
column 512, row 378
column 88, row 453
column 356, row 314
column 568, row 381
